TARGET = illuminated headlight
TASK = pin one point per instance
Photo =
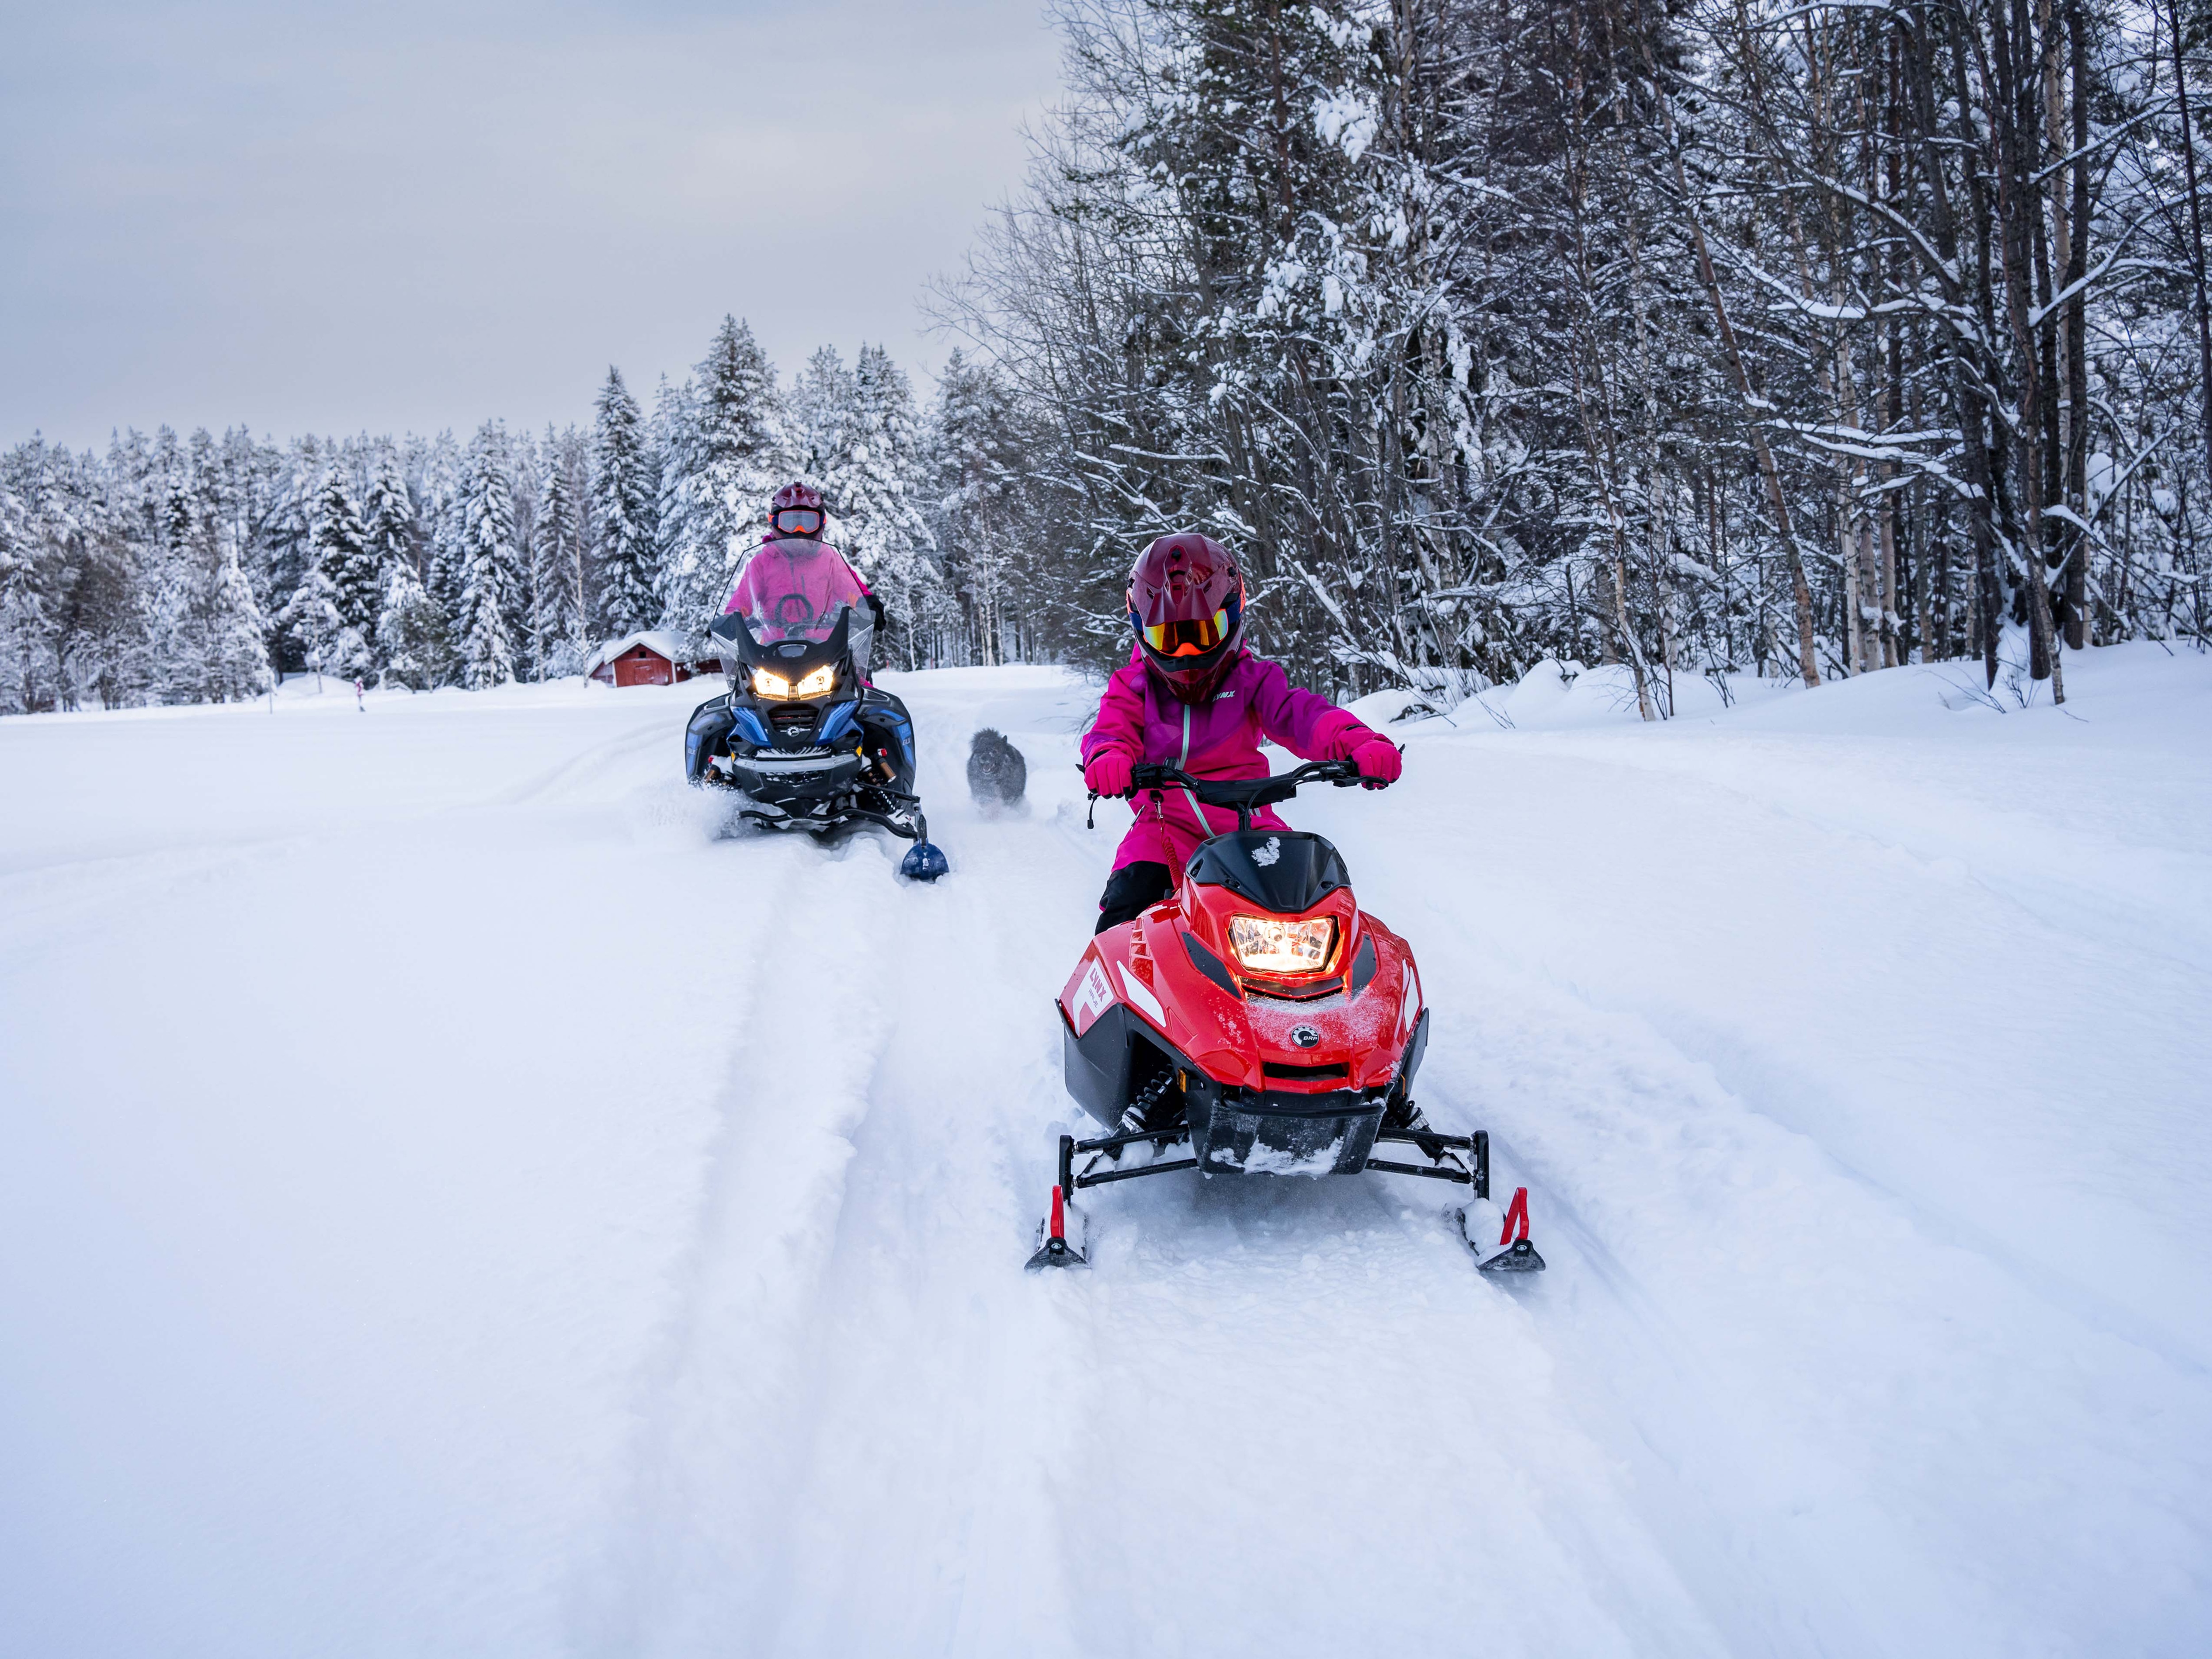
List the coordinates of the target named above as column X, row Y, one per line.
column 1269, row 944
column 820, row 683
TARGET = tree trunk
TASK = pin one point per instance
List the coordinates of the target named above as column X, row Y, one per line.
column 2019, row 128
column 2077, row 336
column 1808, row 666
column 2196, row 231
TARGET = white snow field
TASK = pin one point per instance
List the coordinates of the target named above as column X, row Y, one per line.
column 455, row 1198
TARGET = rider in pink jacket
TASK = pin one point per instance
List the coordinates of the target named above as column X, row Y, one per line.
column 795, row 583
column 1191, row 696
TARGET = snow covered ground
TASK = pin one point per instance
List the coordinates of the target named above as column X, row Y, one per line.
column 455, row 1198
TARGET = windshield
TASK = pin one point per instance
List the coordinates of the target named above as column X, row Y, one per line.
column 795, row 590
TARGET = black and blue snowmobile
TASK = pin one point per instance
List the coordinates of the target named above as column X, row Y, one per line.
column 809, row 743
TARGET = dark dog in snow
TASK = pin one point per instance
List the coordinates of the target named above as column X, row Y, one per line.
column 997, row 774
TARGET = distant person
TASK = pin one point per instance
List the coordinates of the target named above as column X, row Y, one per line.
column 1191, row 696
column 795, row 584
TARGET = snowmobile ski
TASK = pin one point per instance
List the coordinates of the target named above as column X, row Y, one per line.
column 1511, row 1252
column 924, row 862
column 1055, row 1247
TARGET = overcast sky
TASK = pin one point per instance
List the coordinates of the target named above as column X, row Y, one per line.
column 412, row 215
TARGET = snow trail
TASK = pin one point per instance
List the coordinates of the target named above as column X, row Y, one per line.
column 465, row 1199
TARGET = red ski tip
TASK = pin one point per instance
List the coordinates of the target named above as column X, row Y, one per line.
column 1054, row 1249
column 1516, row 1215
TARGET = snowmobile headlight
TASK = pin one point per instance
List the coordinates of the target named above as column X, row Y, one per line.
column 820, row 683
column 1273, row 944
column 770, row 685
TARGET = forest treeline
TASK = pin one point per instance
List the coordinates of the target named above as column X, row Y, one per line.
column 1724, row 335
column 1708, row 338
column 197, row 569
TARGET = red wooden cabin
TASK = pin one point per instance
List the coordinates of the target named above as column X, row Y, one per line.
column 654, row 657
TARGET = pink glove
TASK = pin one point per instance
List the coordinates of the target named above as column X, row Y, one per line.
column 1110, row 772
column 1379, row 761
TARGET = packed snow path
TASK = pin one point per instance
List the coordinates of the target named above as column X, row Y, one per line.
column 455, row 1197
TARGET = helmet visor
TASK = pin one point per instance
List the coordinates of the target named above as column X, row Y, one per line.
column 1194, row 638
column 797, row 521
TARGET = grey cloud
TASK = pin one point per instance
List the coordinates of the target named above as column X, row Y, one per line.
column 349, row 218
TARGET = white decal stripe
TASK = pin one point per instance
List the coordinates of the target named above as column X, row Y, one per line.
column 1143, row 997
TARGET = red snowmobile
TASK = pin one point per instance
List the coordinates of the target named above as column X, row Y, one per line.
column 1258, row 1022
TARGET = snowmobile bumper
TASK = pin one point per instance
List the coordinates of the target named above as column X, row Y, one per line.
column 1280, row 1133
column 781, row 776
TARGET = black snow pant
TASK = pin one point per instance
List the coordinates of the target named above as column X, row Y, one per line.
column 1130, row 890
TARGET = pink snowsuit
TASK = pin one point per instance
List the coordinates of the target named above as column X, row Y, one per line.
column 789, row 593
column 1218, row 738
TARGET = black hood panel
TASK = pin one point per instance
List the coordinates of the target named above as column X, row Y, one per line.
column 1286, row 871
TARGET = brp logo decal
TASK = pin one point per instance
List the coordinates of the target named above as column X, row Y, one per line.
column 1269, row 854
column 1306, row 1036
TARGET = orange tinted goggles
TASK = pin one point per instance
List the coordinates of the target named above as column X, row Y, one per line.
column 1194, row 638
column 797, row 522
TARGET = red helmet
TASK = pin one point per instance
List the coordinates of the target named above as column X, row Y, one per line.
column 796, row 511
column 1186, row 604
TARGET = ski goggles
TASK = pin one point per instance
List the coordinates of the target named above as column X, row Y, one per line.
column 1193, row 637
column 797, row 522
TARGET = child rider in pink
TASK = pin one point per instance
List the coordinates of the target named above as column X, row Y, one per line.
column 1191, row 696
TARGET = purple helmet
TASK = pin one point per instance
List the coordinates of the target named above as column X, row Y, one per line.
column 1186, row 604
column 796, row 511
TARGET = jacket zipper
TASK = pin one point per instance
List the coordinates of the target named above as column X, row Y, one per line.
column 1204, row 829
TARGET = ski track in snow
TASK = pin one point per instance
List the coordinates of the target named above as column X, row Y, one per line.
column 434, row 1287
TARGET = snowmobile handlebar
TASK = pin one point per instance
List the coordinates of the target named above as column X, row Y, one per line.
column 1243, row 794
